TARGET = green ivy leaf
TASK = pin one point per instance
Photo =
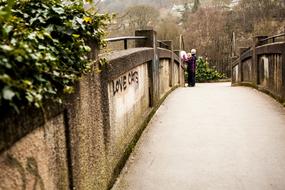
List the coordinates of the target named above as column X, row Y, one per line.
column 8, row 94
column 8, row 29
column 58, row 10
column 68, row 89
column 6, row 48
column 76, row 35
column 27, row 83
column 5, row 78
column 47, row 52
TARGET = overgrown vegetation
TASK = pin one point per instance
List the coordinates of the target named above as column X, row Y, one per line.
column 204, row 73
column 43, row 49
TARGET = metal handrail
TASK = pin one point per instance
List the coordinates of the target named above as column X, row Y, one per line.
column 115, row 39
column 246, row 50
column 162, row 43
column 125, row 39
column 272, row 37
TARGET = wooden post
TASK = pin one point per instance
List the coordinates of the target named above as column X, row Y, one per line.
column 234, row 45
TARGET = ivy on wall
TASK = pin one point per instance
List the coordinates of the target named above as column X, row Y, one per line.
column 43, row 49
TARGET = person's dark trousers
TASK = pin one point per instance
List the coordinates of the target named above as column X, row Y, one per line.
column 188, row 77
column 191, row 78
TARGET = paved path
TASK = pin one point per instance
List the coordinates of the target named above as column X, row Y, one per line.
column 211, row 137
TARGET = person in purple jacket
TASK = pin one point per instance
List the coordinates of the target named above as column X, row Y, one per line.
column 191, row 68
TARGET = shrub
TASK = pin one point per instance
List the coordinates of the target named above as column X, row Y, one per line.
column 43, row 49
column 204, row 73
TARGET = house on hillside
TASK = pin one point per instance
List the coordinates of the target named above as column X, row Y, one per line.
column 177, row 10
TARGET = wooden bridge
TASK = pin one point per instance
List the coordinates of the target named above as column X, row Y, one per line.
column 213, row 136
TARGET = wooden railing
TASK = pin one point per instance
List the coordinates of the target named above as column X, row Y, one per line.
column 125, row 39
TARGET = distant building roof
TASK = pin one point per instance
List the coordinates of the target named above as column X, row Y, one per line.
column 178, row 9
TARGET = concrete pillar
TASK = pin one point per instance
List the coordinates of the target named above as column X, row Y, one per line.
column 181, row 79
column 85, row 117
column 283, row 32
column 233, row 59
column 255, row 66
column 240, row 70
column 283, row 68
column 169, row 43
column 151, row 41
column 257, row 40
column 283, row 72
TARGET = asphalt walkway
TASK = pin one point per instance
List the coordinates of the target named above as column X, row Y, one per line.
column 211, row 137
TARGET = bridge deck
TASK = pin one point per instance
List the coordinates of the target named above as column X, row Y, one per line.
column 211, row 137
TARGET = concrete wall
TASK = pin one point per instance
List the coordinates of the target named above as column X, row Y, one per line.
column 263, row 67
column 129, row 104
column 270, row 72
column 37, row 160
column 86, row 134
column 129, row 87
column 83, row 143
column 164, row 72
column 59, row 146
column 235, row 72
column 176, row 74
column 247, row 70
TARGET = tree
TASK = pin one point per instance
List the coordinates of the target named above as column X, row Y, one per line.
column 207, row 31
column 251, row 12
column 196, row 5
column 168, row 29
column 141, row 16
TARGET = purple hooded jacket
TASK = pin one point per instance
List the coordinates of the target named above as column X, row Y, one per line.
column 191, row 63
